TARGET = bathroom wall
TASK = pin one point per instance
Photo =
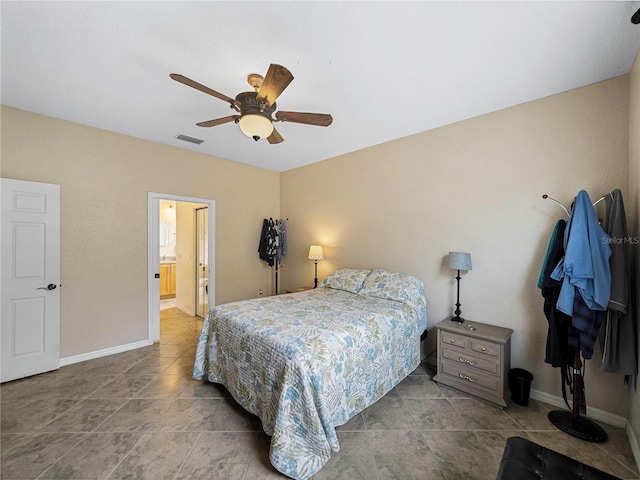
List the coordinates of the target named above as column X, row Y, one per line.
column 168, row 223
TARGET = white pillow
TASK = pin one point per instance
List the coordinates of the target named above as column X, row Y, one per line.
column 347, row 279
column 396, row 286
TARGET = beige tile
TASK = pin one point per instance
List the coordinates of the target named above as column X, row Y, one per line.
column 188, row 415
column 183, row 366
column 151, row 364
column 137, row 415
column 355, row 424
column 85, row 416
column 345, row 465
column 617, row 445
column 123, row 386
column 34, row 453
column 179, row 386
column 388, row 413
column 157, row 456
column 219, row 455
column 460, row 455
column 418, row 386
column 232, row 417
column 480, row 415
column 31, row 415
column 410, row 443
column 53, row 385
column 94, row 457
column 434, row 414
column 405, row 467
column 531, row 417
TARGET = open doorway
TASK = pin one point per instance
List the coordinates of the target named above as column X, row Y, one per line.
column 185, row 248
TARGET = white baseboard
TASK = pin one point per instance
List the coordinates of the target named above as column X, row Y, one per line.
column 633, row 442
column 103, row 353
column 186, row 310
column 592, row 413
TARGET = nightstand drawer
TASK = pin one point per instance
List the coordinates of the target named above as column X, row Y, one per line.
column 463, row 358
column 453, row 340
column 470, row 376
column 484, row 348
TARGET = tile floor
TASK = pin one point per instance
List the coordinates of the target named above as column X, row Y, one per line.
column 139, row 415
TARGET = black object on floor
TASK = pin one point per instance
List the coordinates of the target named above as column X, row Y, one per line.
column 520, row 385
column 525, row 460
column 581, row 428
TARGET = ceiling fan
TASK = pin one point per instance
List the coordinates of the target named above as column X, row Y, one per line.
column 257, row 109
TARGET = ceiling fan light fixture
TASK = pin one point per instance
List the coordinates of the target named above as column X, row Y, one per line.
column 255, row 126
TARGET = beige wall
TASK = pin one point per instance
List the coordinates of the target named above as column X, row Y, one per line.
column 634, row 216
column 472, row 186
column 104, row 180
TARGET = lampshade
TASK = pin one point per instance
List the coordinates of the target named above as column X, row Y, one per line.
column 459, row 261
column 316, row 253
column 254, row 125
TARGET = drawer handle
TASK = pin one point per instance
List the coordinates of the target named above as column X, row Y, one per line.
column 470, row 378
column 452, row 340
column 468, row 361
column 485, row 349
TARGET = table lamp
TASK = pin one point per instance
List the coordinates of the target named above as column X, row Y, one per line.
column 459, row 261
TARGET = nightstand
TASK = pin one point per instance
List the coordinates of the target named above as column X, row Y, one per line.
column 475, row 358
column 296, row 290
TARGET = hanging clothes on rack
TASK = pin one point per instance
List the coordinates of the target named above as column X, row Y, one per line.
column 558, row 352
column 267, row 245
column 618, row 337
column 585, row 274
column 282, row 239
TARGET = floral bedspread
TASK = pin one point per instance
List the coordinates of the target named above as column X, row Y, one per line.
column 307, row 362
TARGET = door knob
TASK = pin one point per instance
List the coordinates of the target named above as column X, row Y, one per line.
column 51, row 286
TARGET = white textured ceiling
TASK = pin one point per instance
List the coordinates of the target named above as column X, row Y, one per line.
column 383, row 70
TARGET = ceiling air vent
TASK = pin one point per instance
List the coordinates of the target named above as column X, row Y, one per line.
column 189, row 139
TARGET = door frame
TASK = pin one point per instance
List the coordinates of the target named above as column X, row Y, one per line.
column 197, row 269
column 153, row 254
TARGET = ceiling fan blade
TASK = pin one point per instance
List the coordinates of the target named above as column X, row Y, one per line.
column 198, row 86
column 320, row 119
column 219, row 121
column 275, row 137
column 274, row 83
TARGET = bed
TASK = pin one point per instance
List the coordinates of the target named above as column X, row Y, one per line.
column 305, row 363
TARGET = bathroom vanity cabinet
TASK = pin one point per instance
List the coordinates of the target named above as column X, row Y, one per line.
column 167, row 280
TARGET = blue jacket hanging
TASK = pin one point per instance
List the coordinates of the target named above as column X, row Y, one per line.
column 585, row 274
column 585, row 266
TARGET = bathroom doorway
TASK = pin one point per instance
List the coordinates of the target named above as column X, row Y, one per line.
column 194, row 256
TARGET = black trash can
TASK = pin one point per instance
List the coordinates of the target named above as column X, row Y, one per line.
column 520, row 385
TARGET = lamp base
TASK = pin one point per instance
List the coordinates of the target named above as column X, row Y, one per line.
column 457, row 318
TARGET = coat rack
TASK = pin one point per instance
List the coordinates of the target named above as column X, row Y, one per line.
column 571, row 422
column 271, row 246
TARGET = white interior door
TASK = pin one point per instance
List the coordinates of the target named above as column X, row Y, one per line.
column 30, row 264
